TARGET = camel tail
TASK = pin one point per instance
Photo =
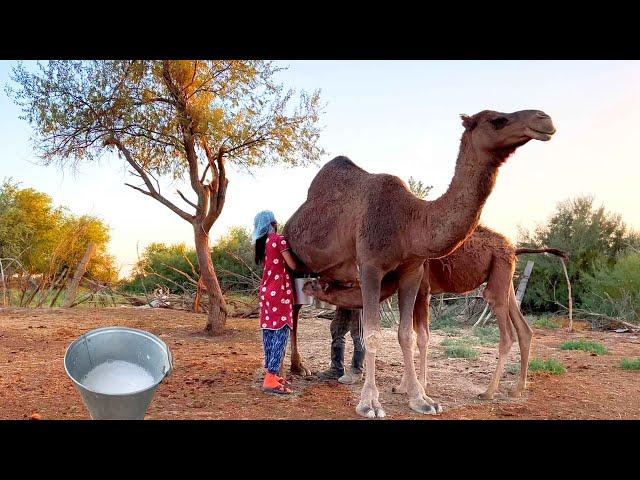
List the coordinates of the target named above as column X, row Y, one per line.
column 552, row 251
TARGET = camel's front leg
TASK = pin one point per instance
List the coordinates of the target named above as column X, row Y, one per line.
column 297, row 367
column 370, row 278
column 418, row 400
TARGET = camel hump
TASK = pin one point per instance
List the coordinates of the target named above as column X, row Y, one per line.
column 339, row 173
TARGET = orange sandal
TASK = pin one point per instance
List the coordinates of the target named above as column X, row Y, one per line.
column 282, row 380
column 274, row 384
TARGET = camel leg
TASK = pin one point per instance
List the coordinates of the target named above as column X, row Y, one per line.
column 297, row 367
column 407, row 291
column 370, row 278
column 497, row 296
column 421, row 327
column 524, row 341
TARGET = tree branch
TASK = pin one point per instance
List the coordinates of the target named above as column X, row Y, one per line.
column 151, row 190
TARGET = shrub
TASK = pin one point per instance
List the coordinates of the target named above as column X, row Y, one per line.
column 552, row 366
column 582, row 344
column 627, row 364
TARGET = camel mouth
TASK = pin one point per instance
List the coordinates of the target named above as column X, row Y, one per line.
column 541, row 134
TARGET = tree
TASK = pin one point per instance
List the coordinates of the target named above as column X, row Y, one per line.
column 182, row 119
column 49, row 240
column 593, row 237
column 418, row 188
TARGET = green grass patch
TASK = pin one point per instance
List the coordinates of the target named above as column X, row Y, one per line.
column 487, row 335
column 585, row 345
column 546, row 322
column 552, row 366
column 629, row 364
column 460, row 351
column 443, row 322
column 459, row 348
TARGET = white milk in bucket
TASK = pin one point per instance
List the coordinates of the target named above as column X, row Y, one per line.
column 117, row 377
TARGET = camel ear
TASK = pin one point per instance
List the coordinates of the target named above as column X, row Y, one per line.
column 469, row 123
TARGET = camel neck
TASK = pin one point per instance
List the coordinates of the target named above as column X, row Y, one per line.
column 449, row 220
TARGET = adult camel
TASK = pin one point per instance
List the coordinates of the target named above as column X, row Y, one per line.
column 369, row 228
column 486, row 256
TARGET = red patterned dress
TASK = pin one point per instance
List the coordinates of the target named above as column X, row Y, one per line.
column 276, row 288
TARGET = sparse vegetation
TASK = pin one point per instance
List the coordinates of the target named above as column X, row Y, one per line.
column 546, row 322
column 513, row 368
column 444, row 322
column 628, row 364
column 459, row 348
column 538, row 365
column 582, row 344
column 487, row 335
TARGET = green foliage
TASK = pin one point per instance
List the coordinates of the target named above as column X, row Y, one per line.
column 552, row 366
column 47, row 240
column 443, row 322
column 585, row 345
column 546, row 322
column 627, row 364
column 418, row 188
column 487, row 335
column 615, row 290
column 460, row 350
column 593, row 237
column 75, row 106
column 176, row 266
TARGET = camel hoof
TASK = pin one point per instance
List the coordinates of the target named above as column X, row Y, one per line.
column 437, row 407
column 380, row 413
column 366, row 411
column 486, row 396
column 300, row 370
column 515, row 393
column 423, row 407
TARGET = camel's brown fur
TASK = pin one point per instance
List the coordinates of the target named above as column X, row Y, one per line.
column 357, row 226
column 486, row 256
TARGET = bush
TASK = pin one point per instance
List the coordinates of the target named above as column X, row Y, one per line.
column 627, row 364
column 546, row 366
column 593, row 238
column 615, row 290
column 582, row 344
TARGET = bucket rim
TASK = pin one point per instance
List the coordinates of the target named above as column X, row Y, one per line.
column 132, row 330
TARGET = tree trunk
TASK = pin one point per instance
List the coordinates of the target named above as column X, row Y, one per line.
column 77, row 276
column 217, row 316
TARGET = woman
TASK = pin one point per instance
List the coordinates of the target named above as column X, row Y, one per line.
column 275, row 297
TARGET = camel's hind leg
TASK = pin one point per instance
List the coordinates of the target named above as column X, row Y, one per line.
column 525, row 335
column 297, row 365
column 370, row 278
column 497, row 296
column 407, row 291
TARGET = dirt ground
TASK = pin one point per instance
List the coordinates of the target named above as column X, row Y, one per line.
column 219, row 378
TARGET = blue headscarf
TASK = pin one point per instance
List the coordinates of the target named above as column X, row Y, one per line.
column 262, row 224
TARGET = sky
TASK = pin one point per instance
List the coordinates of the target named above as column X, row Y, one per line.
column 397, row 117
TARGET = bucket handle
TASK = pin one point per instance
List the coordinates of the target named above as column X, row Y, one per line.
column 170, row 371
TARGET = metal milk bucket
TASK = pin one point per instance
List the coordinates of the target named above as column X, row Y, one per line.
column 117, row 343
column 301, row 298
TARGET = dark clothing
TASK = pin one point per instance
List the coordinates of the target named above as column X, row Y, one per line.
column 275, row 344
column 346, row 321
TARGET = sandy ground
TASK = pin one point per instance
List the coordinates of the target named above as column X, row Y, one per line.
column 219, row 378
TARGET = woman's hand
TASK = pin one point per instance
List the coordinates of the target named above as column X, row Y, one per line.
column 291, row 262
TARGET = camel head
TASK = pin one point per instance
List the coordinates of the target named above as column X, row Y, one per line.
column 501, row 133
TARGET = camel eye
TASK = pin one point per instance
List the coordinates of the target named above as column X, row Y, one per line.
column 499, row 122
